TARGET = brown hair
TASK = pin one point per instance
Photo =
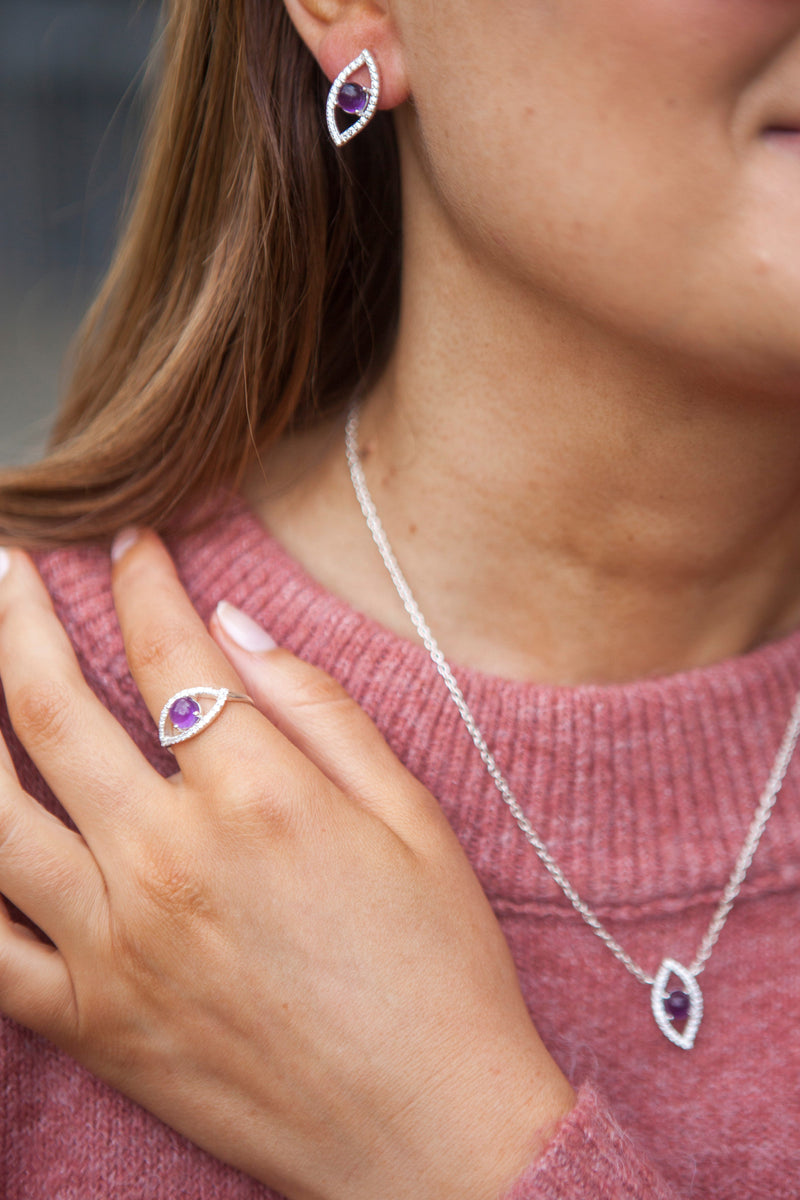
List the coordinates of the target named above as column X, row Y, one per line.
column 255, row 284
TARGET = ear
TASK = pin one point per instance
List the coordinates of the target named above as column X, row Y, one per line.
column 336, row 31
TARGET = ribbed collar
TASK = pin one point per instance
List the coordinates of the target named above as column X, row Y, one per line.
column 644, row 792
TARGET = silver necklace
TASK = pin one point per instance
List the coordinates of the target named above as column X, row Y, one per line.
column 677, row 1013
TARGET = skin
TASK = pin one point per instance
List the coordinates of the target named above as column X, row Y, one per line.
column 585, row 448
column 188, row 969
column 589, row 427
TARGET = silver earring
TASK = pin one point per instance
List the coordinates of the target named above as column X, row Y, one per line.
column 353, row 99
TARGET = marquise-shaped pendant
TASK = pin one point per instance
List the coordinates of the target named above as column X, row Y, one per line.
column 182, row 717
column 685, row 1006
column 353, row 99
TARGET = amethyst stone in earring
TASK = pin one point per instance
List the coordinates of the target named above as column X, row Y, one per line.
column 353, row 99
column 349, row 97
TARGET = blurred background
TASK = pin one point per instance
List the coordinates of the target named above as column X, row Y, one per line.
column 70, row 119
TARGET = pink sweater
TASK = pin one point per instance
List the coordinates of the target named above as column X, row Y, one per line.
column 644, row 793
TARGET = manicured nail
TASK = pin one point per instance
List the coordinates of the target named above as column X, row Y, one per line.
column 123, row 542
column 243, row 630
column 5, row 562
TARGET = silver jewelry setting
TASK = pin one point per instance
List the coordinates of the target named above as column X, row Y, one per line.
column 200, row 720
column 341, row 136
column 659, row 994
column 657, row 985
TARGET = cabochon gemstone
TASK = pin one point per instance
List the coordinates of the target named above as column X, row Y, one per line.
column 678, row 1005
column 353, row 99
column 184, row 713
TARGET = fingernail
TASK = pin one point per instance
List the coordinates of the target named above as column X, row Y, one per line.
column 243, row 630
column 123, row 542
column 5, row 562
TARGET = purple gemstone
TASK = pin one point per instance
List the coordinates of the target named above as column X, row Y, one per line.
column 353, row 98
column 184, row 713
column 678, row 1005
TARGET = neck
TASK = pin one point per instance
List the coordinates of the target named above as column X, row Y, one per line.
column 566, row 508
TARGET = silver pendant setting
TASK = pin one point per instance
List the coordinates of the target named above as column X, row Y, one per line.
column 659, row 995
column 371, row 94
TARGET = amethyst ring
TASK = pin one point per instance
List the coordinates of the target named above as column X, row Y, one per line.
column 182, row 717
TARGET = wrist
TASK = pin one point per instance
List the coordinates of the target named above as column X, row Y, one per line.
column 483, row 1127
column 519, row 1129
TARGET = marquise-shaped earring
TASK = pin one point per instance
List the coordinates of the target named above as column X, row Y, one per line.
column 353, row 99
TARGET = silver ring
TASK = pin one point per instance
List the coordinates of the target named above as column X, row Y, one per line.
column 184, row 715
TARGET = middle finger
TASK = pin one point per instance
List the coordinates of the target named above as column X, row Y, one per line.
column 83, row 753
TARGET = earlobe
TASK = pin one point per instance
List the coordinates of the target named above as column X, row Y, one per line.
column 337, row 31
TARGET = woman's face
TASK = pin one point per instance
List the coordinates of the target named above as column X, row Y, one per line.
column 635, row 160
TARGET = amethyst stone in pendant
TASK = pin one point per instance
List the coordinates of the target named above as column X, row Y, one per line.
column 352, row 99
column 184, row 713
column 678, row 1005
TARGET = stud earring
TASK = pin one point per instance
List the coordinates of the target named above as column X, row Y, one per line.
column 353, row 99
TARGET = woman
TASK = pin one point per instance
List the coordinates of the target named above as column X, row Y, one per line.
column 576, row 413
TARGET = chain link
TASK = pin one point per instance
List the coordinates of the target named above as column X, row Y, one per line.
column 758, row 824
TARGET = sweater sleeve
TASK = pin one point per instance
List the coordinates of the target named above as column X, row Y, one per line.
column 591, row 1158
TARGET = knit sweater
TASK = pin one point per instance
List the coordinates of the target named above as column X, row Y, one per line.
column 643, row 792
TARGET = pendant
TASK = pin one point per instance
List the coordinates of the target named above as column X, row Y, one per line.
column 669, row 1007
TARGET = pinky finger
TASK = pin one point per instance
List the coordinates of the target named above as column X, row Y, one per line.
column 35, row 986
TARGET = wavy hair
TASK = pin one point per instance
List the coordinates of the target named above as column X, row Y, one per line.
column 254, row 287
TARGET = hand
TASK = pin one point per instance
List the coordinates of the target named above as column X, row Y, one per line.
column 282, row 951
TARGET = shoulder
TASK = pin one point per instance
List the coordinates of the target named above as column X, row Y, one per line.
column 222, row 559
column 78, row 579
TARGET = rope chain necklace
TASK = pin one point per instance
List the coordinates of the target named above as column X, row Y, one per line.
column 678, row 1012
